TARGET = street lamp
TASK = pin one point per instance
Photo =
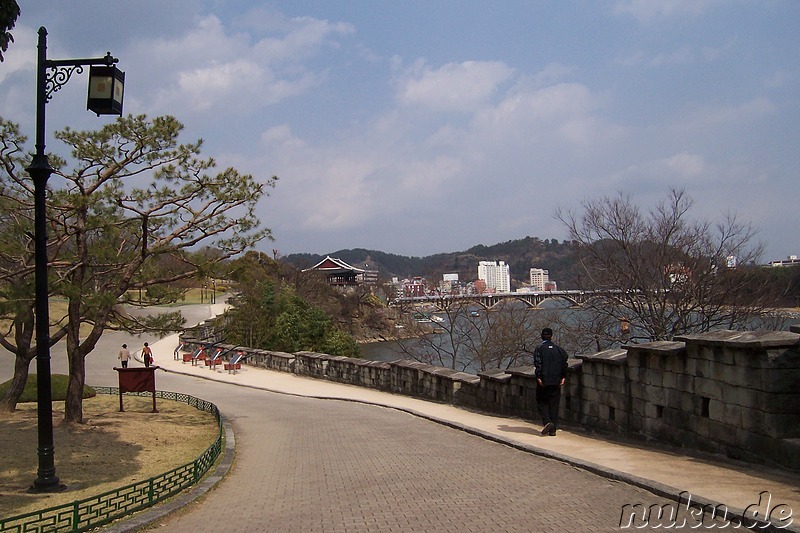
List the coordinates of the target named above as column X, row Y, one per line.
column 105, row 98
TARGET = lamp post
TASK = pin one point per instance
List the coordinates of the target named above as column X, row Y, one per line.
column 105, row 97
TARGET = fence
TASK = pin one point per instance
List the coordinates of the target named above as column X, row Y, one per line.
column 89, row 513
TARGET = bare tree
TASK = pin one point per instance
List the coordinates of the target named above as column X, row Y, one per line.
column 661, row 273
column 468, row 337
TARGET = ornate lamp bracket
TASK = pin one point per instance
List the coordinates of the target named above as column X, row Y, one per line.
column 57, row 77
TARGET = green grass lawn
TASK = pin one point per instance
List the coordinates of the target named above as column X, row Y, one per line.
column 58, row 384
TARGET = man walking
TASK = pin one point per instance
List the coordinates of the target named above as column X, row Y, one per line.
column 550, row 364
column 124, row 356
column 147, row 355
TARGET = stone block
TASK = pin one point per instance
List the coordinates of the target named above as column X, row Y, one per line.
column 655, row 395
column 732, row 414
column 616, row 371
column 675, row 417
column 782, row 426
column 638, row 408
column 637, row 390
column 743, row 396
column 690, row 366
column 708, row 388
column 685, row 383
column 716, row 411
column 669, row 380
column 654, row 361
column 673, row 364
column 699, row 425
column 750, row 358
column 653, row 411
column 703, row 368
column 674, row 399
column 655, row 377
column 738, row 376
column 591, row 395
column 722, row 355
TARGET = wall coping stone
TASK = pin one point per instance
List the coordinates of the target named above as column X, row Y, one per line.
column 744, row 339
column 314, row 355
column 658, row 347
column 375, row 364
column 522, row 371
column 614, row 356
column 455, row 375
column 495, row 374
column 284, row 355
column 408, row 363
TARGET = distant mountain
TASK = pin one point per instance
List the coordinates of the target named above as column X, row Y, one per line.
column 521, row 255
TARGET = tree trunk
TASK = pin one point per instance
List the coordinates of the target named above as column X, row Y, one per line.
column 73, row 407
column 8, row 403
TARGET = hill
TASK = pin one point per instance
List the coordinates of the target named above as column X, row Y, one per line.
column 521, row 255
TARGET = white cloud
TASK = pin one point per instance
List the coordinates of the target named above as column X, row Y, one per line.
column 463, row 87
column 685, row 165
column 563, row 111
column 219, row 71
column 734, row 115
column 21, row 54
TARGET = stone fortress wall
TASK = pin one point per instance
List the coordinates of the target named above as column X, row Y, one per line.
column 735, row 393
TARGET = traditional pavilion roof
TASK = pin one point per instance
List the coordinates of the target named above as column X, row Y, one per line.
column 331, row 265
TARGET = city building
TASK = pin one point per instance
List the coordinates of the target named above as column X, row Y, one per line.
column 495, row 274
column 450, row 284
column 539, row 279
column 368, row 277
column 414, row 287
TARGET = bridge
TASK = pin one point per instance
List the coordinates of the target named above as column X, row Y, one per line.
column 487, row 301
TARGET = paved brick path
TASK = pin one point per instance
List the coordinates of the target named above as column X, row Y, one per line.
column 312, row 465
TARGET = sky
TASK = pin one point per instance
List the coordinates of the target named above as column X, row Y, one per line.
column 430, row 126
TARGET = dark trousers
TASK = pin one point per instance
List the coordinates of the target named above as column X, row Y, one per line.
column 548, row 398
column 124, row 364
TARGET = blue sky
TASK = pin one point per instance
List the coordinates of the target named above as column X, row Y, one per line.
column 420, row 127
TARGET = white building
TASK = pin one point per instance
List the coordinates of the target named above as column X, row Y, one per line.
column 540, row 278
column 495, row 274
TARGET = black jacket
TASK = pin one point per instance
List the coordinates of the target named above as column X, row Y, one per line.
column 550, row 363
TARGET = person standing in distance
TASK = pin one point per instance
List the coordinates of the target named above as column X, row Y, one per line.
column 124, row 356
column 550, row 366
column 147, row 355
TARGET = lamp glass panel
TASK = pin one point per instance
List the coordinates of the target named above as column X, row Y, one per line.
column 101, row 86
column 118, row 91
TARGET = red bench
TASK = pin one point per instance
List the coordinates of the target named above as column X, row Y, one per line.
column 233, row 367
